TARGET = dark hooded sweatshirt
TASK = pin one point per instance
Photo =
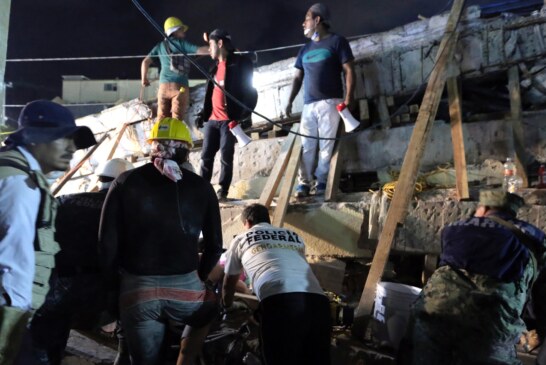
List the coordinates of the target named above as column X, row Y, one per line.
column 150, row 225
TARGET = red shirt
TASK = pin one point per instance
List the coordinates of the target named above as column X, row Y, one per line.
column 219, row 111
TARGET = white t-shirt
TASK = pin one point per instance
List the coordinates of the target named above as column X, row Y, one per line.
column 274, row 259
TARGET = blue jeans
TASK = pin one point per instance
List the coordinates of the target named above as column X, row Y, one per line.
column 217, row 136
column 149, row 303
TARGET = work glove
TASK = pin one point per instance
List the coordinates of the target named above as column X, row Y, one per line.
column 199, row 120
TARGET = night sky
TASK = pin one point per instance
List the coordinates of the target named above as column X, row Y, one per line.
column 79, row 28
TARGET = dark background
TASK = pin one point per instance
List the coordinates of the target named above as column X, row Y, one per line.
column 84, row 28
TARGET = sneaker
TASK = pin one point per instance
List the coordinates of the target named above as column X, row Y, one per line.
column 221, row 195
column 320, row 189
column 302, row 191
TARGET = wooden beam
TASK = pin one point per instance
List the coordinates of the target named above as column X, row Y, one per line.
column 286, row 189
column 457, row 138
column 410, row 167
column 120, row 130
column 75, row 169
column 336, row 164
column 277, row 172
column 517, row 125
column 364, row 109
column 383, row 110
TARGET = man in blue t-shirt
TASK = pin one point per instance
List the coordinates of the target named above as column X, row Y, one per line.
column 173, row 96
column 320, row 64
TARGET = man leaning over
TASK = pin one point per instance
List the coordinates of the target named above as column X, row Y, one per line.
column 470, row 310
column 294, row 312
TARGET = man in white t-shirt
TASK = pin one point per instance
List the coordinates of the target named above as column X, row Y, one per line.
column 294, row 312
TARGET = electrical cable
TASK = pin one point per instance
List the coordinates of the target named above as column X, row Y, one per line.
column 238, row 102
column 209, row 78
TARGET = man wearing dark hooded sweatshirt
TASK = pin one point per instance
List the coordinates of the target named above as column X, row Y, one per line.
column 150, row 226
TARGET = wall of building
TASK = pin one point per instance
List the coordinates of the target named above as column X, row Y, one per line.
column 106, row 91
column 5, row 6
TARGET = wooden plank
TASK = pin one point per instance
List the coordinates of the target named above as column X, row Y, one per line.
column 517, row 125
column 408, row 175
column 75, row 169
column 457, row 138
column 286, row 189
column 383, row 111
column 336, row 164
column 364, row 109
column 120, row 130
column 429, row 266
column 275, row 176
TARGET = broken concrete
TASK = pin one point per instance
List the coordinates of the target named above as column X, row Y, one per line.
column 335, row 229
column 397, row 62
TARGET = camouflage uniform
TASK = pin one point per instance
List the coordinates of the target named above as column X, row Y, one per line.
column 467, row 313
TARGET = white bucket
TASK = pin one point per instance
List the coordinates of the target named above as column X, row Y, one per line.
column 391, row 311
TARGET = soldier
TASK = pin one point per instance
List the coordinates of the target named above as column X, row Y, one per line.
column 45, row 141
column 469, row 312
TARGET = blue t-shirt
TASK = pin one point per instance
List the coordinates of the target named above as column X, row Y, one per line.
column 321, row 63
column 159, row 51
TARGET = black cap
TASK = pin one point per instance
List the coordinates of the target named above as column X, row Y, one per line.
column 220, row 34
column 43, row 121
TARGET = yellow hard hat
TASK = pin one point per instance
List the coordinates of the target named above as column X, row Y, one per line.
column 171, row 128
column 172, row 24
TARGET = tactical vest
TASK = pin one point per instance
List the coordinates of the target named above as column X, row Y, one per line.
column 45, row 247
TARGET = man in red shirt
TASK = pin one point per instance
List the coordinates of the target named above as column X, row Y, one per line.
column 232, row 73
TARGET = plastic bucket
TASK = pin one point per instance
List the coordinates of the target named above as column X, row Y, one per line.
column 391, row 312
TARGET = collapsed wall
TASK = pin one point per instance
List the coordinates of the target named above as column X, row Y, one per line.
column 389, row 64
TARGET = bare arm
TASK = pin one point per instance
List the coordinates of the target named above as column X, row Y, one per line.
column 203, row 50
column 348, row 69
column 228, row 289
column 296, row 86
column 146, row 62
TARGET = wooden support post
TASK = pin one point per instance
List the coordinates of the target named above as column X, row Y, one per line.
column 457, row 138
column 75, row 169
column 364, row 110
column 517, row 125
column 408, row 175
column 336, row 164
column 286, row 189
column 274, row 132
column 383, row 111
column 429, row 266
column 277, row 172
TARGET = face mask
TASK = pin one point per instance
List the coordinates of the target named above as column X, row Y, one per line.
column 307, row 31
column 315, row 36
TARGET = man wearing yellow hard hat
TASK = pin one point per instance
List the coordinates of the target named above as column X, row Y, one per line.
column 149, row 233
column 173, row 96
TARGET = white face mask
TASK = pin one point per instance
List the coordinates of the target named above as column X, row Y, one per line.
column 307, row 32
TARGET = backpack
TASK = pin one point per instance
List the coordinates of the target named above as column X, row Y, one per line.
column 179, row 64
column 4, row 162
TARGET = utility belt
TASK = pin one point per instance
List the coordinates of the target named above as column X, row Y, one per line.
column 67, row 271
